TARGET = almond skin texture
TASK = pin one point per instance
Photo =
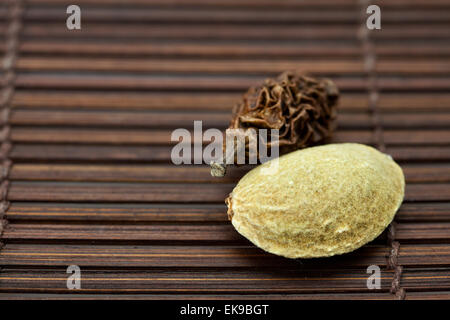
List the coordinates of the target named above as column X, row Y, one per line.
column 318, row 202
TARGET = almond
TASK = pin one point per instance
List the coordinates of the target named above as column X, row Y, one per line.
column 318, row 202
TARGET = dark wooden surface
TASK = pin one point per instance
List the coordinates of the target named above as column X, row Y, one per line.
column 87, row 117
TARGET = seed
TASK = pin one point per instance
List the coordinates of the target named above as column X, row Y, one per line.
column 319, row 201
column 302, row 108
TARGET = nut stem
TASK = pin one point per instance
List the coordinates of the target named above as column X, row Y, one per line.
column 218, row 169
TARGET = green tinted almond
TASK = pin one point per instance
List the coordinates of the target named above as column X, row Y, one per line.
column 318, row 202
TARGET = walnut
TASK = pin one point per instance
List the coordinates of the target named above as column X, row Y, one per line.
column 302, row 108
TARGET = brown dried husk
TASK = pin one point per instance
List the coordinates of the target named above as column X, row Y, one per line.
column 302, row 108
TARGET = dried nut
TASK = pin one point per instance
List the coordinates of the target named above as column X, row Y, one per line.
column 302, row 108
column 319, row 202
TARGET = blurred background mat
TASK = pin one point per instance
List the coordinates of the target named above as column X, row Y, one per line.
column 87, row 116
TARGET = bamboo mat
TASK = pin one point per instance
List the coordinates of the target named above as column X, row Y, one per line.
column 87, row 117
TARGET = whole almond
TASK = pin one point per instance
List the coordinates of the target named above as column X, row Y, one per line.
column 319, row 201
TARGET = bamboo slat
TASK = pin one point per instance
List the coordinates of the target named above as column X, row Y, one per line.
column 210, row 101
column 414, row 173
column 246, row 282
column 227, row 50
column 131, row 212
column 259, row 31
column 174, row 256
column 198, row 49
column 165, row 192
column 237, row 282
column 160, row 119
column 163, row 137
column 199, row 15
column 103, row 153
column 439, row 295
column 288, row 4
column 417, row 232
column 194, row 66
column 207, row 256
column 218, row 83
column 119, row 192
column 138, row 212
column 311, row 296
column 230, row 66
column 179, row 31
